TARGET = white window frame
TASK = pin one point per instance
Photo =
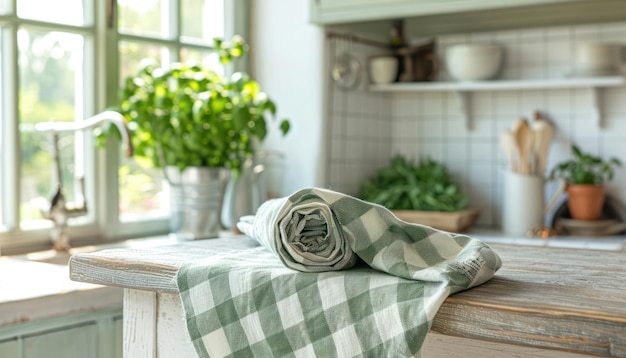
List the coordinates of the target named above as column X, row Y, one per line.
column 101, row 59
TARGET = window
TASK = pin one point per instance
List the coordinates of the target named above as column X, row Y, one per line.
column 63, row 60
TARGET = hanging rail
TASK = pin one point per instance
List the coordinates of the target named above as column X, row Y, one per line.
column 357, row 39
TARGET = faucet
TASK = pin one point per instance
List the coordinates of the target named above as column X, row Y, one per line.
column 59, row 211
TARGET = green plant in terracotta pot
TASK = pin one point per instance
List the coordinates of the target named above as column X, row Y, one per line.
column 200, row 127
column 585, row 176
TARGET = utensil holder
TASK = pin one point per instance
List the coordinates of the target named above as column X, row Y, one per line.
column 523, row 206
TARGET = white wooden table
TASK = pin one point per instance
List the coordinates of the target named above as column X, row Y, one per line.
column 544, row 302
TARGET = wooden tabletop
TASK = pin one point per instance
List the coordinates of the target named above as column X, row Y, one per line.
column 572, row 300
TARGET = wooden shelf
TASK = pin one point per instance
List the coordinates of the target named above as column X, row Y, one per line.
column 465, row 88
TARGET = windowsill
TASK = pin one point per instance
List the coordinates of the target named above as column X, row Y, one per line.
column 62, row 258
column 37, row 286
column 33, row 291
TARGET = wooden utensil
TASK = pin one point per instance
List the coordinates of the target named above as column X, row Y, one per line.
column 524, row 141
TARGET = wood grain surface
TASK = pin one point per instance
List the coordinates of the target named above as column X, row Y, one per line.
column 563, row 299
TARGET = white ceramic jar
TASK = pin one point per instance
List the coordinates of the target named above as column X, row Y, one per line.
column 474, row 62
column 383, row 69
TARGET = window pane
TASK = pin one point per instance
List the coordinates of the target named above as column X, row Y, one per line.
column 203, row 58
column 59, row 11
column 202, row 19
column 51, row 69
column 4, row 7
column 141, row 17
column 3, row 171
column 133, row 53
column 141, row 192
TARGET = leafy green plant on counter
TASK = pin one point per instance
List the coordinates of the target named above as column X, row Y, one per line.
column 406, row 186
column 191, row 116
column 585, row 169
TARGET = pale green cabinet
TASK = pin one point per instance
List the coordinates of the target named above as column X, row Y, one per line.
column 9, row 348
column 326, row 12
column 79, row 341
column 118, row 338
column 83, row 335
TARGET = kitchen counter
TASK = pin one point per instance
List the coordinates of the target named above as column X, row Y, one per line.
column 544, row 302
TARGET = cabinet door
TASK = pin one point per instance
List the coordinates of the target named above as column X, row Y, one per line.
column 118, row 339
column 73, row 342
column 9, row 349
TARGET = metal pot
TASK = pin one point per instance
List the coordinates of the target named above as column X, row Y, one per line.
column 196, row 197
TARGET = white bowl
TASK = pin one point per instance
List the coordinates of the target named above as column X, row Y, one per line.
column 474, row 62
column 593, row 56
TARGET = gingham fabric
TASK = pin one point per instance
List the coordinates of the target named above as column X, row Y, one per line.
column 254, row 304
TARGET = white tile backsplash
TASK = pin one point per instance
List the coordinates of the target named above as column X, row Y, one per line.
column 368, row 128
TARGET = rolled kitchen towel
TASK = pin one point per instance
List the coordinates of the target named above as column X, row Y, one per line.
column 316, row 230
column 306, row 236
column 255, row 302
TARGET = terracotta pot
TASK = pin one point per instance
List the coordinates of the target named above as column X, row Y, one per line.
column 585, row 201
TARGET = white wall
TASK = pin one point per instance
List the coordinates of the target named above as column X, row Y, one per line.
column 360, row 138
column 287, row 59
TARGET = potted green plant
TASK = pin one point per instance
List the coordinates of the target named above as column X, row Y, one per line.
column 198, row 125
column 423, row 193
column 585, row 176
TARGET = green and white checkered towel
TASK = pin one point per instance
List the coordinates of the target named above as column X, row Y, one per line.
column 253, row 304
